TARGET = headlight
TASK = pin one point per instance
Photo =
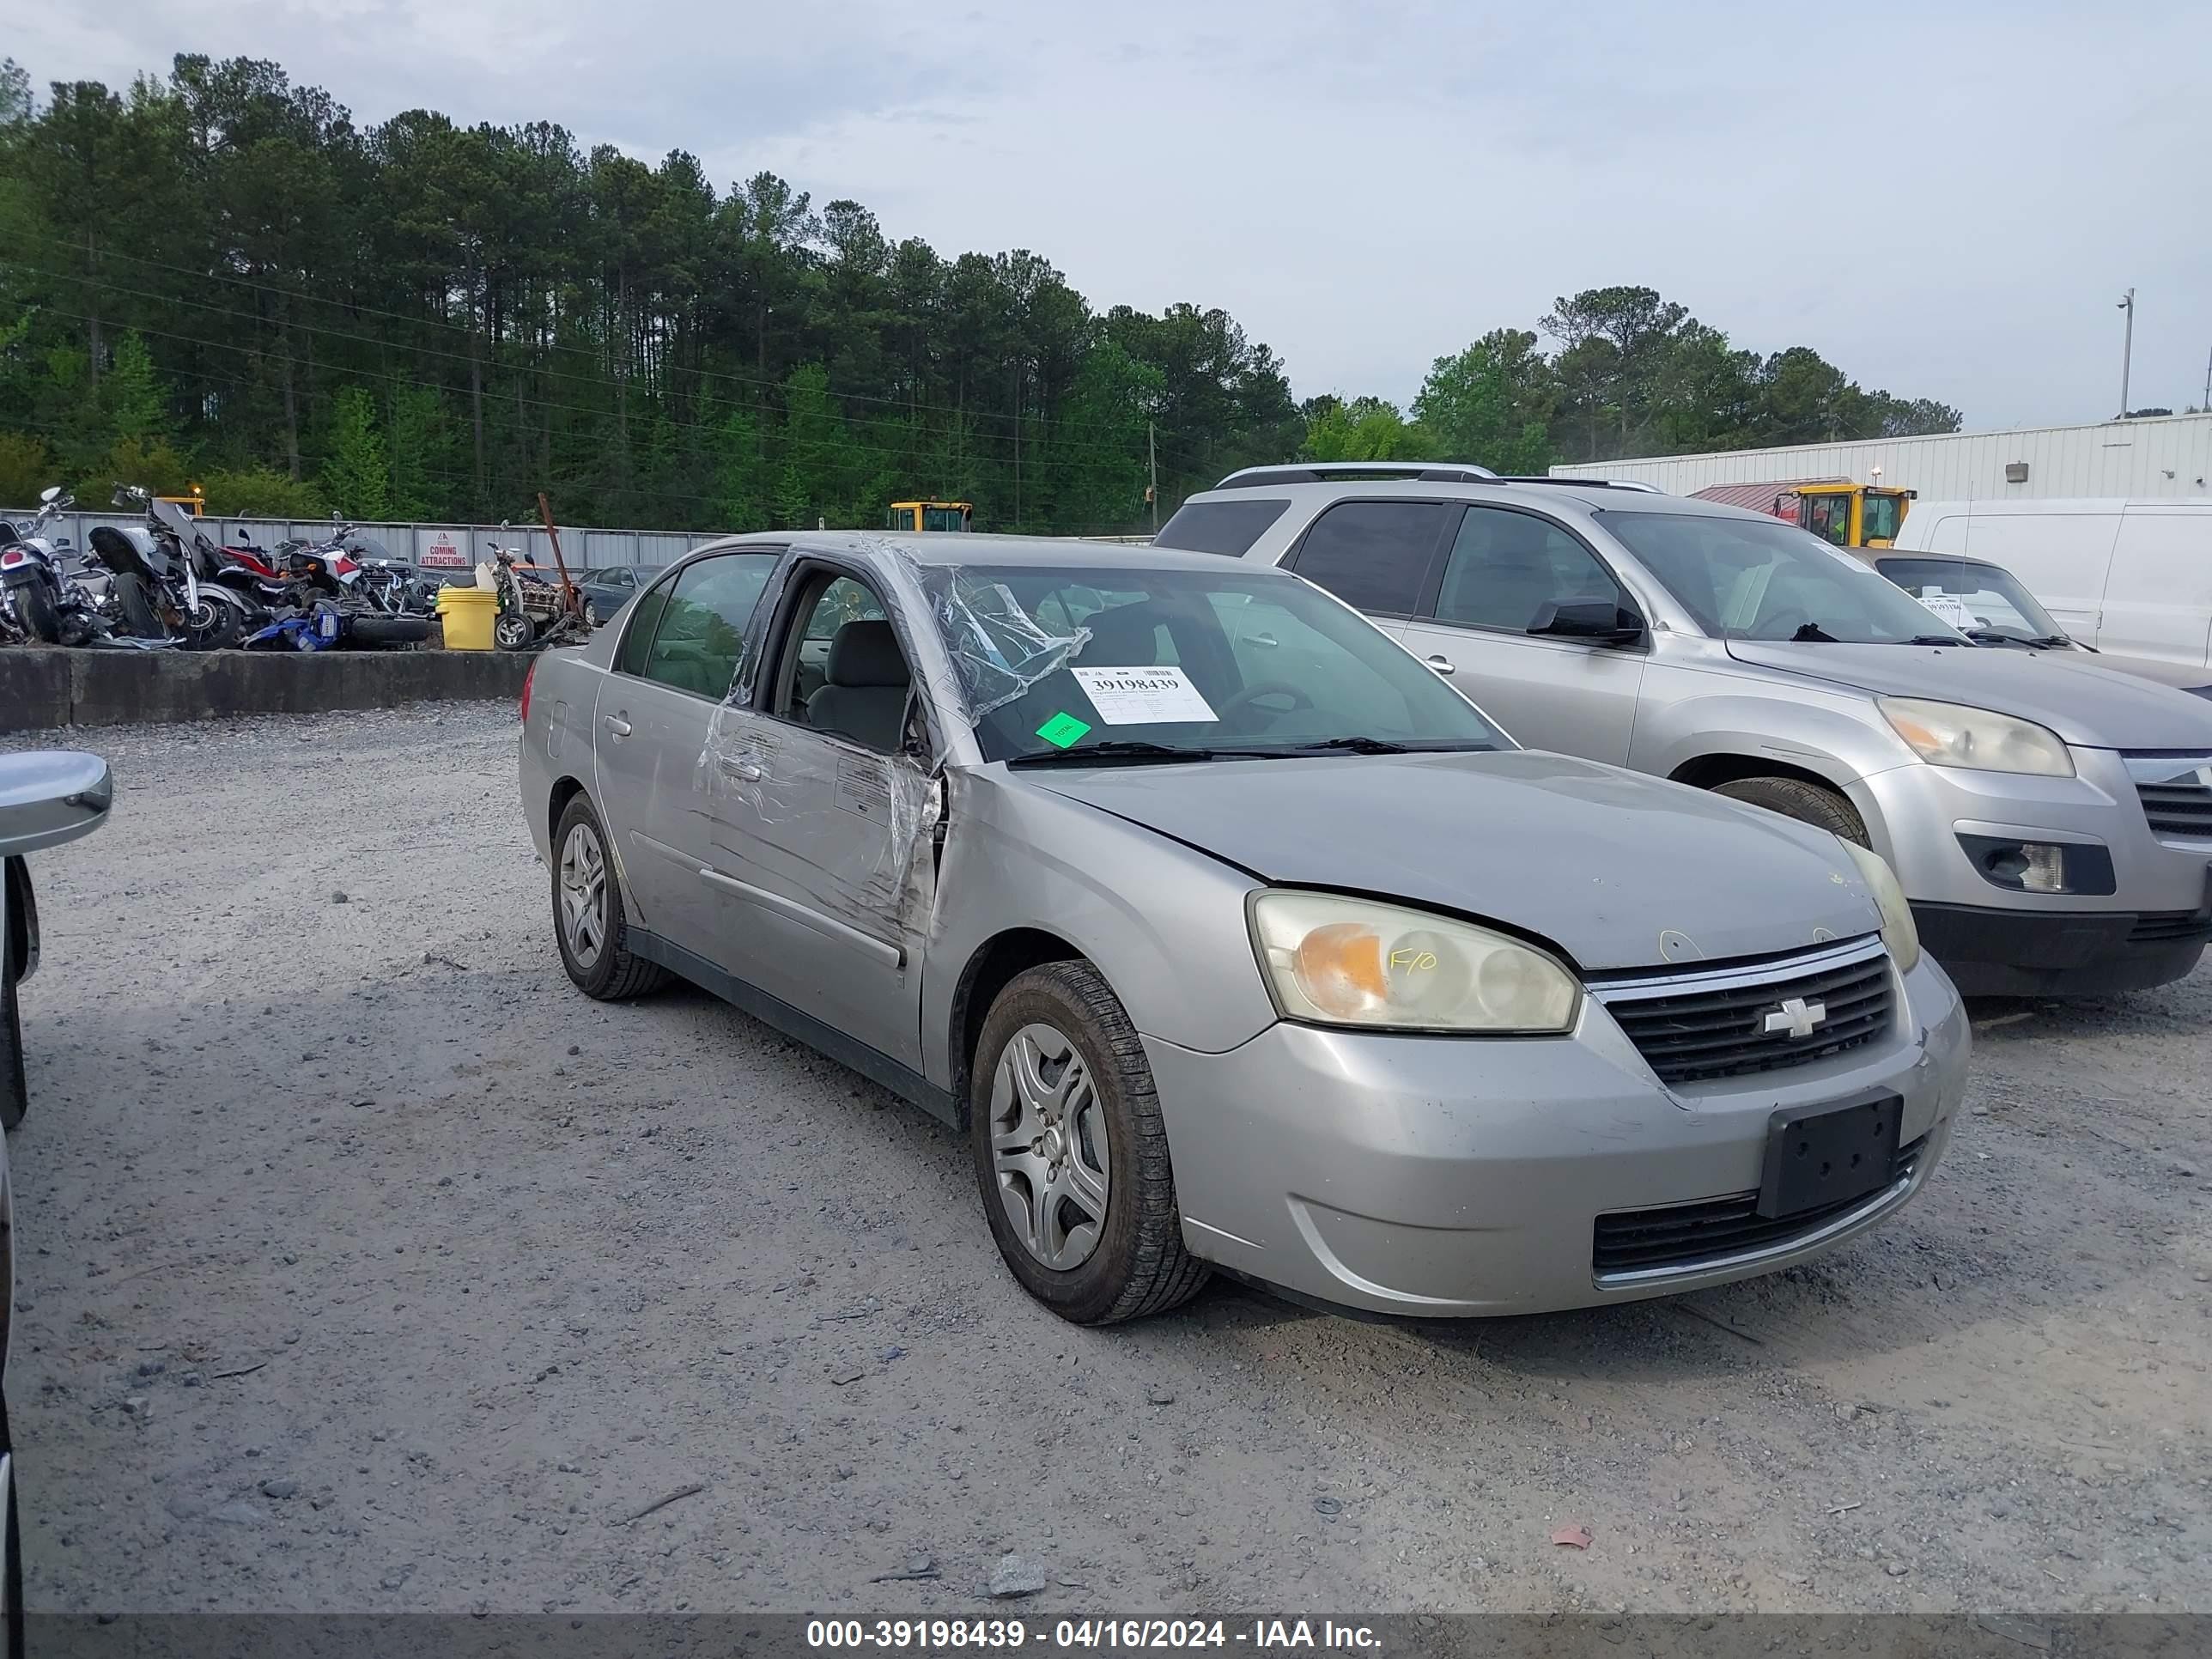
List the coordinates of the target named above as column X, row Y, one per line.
column 1952, row 734
column 1348, row 962
column 1899, row 931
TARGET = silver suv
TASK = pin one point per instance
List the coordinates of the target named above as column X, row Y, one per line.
column 2050, row 822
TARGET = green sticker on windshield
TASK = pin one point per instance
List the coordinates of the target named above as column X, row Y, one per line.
column 1063, row 730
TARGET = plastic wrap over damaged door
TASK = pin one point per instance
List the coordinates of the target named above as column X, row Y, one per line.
column 861, row 822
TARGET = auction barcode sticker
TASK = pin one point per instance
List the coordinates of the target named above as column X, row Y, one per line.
column 1158, row 695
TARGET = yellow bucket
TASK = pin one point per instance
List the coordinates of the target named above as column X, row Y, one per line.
column 469, row 613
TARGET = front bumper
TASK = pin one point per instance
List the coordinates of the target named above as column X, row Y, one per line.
column 1443, row 1177
column 1996, row 940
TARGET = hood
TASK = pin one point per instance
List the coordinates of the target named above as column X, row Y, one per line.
column 1604, row 864
column 2197, row 681
column 2084, row 701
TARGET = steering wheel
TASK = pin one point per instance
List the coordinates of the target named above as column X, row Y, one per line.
column 1265, row 689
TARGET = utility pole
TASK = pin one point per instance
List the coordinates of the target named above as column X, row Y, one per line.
column 2207, row 402
column 2128, row 351
column 1152, row 462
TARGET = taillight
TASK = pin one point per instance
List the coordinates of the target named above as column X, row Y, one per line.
column 526, row 679
column 13, row 555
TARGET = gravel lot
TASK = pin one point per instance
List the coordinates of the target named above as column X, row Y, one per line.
column 364, row 1265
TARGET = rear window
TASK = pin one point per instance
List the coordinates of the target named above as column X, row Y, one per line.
column 1229, row 527
column 1374, row 555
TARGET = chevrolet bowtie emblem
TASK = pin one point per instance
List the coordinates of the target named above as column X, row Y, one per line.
column 1797, row 1016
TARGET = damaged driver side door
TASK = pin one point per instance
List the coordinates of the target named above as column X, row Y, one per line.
column 825, row 805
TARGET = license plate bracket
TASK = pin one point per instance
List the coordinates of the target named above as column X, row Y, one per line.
column 1817, row 1156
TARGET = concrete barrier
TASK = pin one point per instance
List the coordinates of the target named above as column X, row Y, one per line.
column 43, row 688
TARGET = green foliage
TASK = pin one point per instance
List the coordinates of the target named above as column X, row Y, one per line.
column 357, row 472
column 153, row 465
column 1365, row 429
column 27, row 469
column 262, row 492
column 1492, row 403
column 220, row 267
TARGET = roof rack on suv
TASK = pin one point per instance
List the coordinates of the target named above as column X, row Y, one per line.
column 1584, row 483
column 1252, row 478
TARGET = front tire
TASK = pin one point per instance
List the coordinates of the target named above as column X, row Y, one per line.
column 1809, row 803
column 588, row 924
column 1070, row 1153
column 514, row 631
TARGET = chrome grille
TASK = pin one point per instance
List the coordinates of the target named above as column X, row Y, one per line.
column 1716, row 1022
column 2176, row 793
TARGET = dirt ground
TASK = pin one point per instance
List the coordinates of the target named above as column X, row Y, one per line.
column 364, row 1265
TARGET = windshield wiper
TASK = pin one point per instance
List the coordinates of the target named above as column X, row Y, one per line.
column 2059, row 642
column 1119, row 749
column 1933, row 639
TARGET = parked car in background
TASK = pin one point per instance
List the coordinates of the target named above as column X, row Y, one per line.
column 1229, row 934
column 609, row 587
column 1992, row 606
column 2132, row 577
column 45, row 798
column 2051, row 821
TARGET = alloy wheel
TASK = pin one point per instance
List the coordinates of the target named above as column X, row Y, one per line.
column 1049, row 1147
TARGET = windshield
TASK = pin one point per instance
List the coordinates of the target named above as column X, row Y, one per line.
column 1969, row 594
column 1756, row 579
column 1252, row 662
column 944, row 518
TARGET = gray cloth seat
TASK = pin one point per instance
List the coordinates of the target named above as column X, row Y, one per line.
column 863, row 696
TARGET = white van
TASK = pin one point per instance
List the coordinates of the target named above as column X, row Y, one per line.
column 2133, row 577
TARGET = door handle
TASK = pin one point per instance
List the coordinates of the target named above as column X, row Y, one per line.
column 1442, row 665
column 616, row 725
column 747, row 770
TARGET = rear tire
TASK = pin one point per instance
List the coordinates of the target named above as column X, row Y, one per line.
column 1132, row 1262
column 588, row 923
column 389, row 630
column 134, row 602
column 1809, row 803
column 42, row 621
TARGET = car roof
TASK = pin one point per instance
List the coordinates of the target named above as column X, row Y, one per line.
column 953, row 549
column 1568, row 498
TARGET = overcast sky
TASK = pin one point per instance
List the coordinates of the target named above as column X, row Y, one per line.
column 1945, row 200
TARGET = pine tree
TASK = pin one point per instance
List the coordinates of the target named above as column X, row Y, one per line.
column 357, row 476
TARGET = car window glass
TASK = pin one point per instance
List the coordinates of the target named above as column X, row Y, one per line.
column 644, row 617
column 1271, row 645
column 1973, row 595
column 1505, row 568
column 702, row 627
column 1374, row 554
column 1757, row 578
column 1229, row 527
column 1262, row 663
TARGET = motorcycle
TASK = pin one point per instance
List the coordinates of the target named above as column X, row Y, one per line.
column 48, row 602
column 155, row 586
column 532, row 611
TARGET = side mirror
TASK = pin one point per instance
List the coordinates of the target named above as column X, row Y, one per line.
column 1603, row 621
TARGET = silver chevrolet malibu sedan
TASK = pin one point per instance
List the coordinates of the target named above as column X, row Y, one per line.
column 1231, row 936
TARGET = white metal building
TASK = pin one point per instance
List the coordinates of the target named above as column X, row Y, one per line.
column 2158, row 455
